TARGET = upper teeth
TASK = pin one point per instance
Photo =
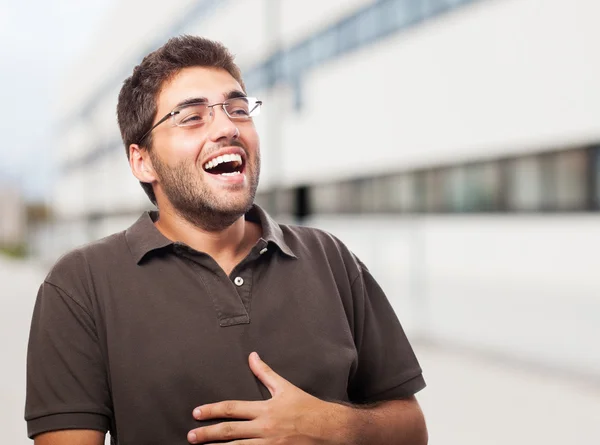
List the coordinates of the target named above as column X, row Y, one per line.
column 224, row 158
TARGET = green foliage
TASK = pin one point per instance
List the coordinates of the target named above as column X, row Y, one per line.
column 16, row 251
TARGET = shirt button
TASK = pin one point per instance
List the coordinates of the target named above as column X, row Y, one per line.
column 238, row 281
column 263, row 251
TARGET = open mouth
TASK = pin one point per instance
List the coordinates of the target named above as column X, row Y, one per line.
column 225, row 165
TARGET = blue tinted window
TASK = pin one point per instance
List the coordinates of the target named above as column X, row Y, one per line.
column 324, row 45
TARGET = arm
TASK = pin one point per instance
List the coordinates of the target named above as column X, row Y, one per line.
column 70, row 437
column 66, row 374
column 387, row 376
column 292, row 416
column 395, row 422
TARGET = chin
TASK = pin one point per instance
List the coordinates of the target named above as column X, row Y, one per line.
column 239, row 205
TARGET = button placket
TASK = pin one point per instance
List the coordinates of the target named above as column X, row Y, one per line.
column 242, row 274
column 229, row 309
column 242, row 281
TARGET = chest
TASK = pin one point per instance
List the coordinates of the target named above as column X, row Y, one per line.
column 174, row 345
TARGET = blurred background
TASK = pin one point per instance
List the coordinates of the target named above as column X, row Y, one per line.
column 454, row 145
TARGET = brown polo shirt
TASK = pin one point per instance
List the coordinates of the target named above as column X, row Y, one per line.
column 132, row 332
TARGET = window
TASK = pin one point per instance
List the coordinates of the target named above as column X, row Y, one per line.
column 324, row 45
column 284, row 202
column 348, row 200
column 369, row 24
column 299, row 59
column 435, row 190
column 432, row 7
column 456, row 192
column 551, row 181
column 397, row 14
column 525, row 184
column 571, row 179
column 454, row 3
column 283, row 64
column 348, row 34
column 482, row 187
column 402, row 193
column 325, row 198
column 266, row 201
column 596, row 177
column 374, row 194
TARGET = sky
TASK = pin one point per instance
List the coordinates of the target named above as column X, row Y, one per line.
column 40, row 39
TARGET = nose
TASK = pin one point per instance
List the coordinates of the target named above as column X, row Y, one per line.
column 222, row 127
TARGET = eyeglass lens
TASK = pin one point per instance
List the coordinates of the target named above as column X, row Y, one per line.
column 237, row 108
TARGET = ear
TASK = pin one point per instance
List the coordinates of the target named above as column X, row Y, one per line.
column 141, row 164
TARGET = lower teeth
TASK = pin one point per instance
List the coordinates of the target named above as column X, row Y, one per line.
column 230, row 174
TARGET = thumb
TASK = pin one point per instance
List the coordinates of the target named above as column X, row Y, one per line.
column 273, row 381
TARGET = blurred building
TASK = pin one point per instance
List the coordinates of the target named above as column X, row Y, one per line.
column 13, row 217
column 453, row 144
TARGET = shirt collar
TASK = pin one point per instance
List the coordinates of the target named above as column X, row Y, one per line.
column 271, row 231
column 143, row 237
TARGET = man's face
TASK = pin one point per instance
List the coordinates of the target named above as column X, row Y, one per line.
column 212, row 198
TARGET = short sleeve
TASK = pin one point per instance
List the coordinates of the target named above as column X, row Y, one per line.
column 66, row 376
column 387, row 366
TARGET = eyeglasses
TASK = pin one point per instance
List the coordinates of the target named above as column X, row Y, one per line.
column 199, row 113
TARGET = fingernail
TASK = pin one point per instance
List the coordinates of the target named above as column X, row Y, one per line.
column 257, row 356
column 197, row 412
column 192, row 437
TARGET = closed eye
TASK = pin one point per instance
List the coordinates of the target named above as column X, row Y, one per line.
column 240, row 112
column 191, row 119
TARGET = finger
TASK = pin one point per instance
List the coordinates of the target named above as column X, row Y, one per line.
column 224, row 431
column 242, row 442
column 228, row 409
column 273, row 381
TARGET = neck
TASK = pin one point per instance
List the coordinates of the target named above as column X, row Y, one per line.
column 226, row 246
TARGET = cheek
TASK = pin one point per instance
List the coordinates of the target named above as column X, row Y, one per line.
column 182, row 147
column 251, row 141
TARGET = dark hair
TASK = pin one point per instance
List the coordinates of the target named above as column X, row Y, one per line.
column 136, row 108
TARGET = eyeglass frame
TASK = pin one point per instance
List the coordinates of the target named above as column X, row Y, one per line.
column 179, row 108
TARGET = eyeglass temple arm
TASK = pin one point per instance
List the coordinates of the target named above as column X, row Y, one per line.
column 172, row 113
column 256, row 105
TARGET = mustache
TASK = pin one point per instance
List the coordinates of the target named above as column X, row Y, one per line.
column 228, row 143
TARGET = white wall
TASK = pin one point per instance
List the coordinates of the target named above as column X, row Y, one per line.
column 524, row 287
column 301, row 19
column 132, row 25
column 491, row 78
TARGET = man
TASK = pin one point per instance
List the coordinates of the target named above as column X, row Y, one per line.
column 153, row 333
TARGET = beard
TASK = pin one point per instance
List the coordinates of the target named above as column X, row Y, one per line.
column 193, row 199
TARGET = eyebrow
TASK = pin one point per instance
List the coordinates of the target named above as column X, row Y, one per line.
column 191, row 101
column 233, row 94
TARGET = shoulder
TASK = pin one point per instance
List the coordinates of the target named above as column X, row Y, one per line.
column 303, row 237
column 317, row 245
column 76, row 268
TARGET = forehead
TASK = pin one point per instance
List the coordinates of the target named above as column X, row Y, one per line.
column 211, row 83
